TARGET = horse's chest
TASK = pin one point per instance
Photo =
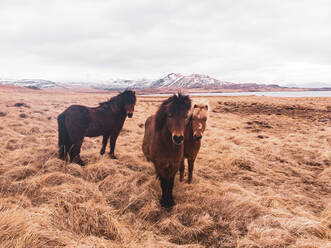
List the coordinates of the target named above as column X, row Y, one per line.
column 191, row 149
column 170, row 154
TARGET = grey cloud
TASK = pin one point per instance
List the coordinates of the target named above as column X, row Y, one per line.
column 247, row 41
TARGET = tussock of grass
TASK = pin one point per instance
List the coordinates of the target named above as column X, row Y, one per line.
column 87, row 219
column 22, row 228
column 261, row 179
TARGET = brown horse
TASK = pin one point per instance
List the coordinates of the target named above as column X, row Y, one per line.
column 107, row 119
column 163, row 142
column 194, row 128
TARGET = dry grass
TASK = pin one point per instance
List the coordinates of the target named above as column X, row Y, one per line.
column 262, row 178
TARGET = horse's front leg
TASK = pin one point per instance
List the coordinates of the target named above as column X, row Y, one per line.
column 167, row 185
column 104, row 144
column 190, row 169
column 181, row 170
column 171, row 186
column 112, row 141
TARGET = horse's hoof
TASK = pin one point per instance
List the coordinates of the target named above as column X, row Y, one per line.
column 62, row 156
column 171, row 203
column 189, row 181
column 112, row 156
column 102, row 152
column 164, row 203
column 81, row 163
column 167, row 203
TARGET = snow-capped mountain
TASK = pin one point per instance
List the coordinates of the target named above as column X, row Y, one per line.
column 173, row 80
column 176, row 80
column 119, row 84
column 31, row 83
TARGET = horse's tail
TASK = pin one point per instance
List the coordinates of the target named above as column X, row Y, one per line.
column 63, row 136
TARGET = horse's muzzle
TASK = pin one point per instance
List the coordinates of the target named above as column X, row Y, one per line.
column 130, row 115
column 177, row 139
column 197, row 138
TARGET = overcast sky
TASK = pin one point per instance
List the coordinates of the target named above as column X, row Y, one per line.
column 239, row 41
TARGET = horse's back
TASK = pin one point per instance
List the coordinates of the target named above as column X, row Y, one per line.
column 78, row 113
column 148, row 137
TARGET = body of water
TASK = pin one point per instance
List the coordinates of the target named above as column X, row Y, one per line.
column 258, row 93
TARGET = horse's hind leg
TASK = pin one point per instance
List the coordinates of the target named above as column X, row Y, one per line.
column 62, row 152
column 190, row 170
column 63, row 136
column 181, row 170
column 104, row 144
column 75, row 153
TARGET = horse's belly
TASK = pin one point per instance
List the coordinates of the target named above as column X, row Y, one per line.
column 96, row 129
column 92, row 132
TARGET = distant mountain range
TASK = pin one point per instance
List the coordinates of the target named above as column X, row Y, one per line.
column 171, row 81
column 175, row 80
column 31, row 83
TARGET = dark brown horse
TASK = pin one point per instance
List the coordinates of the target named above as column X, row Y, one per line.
column 194, row 128
column 107, row 120
column 163, row 142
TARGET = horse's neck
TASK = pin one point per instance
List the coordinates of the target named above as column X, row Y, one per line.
column 118, row 109
column 119, row 113
column 189, row 129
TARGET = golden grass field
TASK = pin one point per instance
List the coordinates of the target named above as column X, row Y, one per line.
column 262, row 178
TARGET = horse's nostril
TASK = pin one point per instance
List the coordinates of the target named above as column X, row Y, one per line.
column 130, row 115
column 178, row 139
column 197, row 138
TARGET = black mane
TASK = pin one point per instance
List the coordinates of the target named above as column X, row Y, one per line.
column 117, row 102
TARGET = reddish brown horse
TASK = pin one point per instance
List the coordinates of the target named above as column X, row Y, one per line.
column 163, row 142
column 194, row 128
column 107, row 120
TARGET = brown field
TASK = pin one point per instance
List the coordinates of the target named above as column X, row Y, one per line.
column 262, row 178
